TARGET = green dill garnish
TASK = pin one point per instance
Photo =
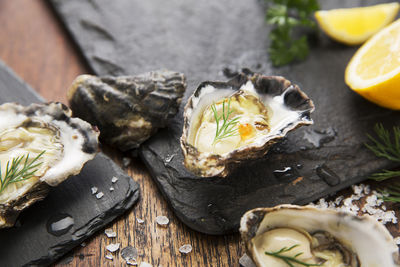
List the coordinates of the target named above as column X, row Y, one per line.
column 286, row 16
column 289, row 260
column 229, row 127
column 16, row 173
column 386, row 145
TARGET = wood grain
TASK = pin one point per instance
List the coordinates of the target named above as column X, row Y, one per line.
column 35, row 45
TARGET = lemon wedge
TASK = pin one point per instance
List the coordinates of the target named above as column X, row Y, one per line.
column 354, row 26
column 374, row 70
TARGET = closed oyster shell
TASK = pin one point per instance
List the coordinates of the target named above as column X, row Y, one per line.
column 358, row 240
column 127, row 109
column 281, row 105
column 68, row 143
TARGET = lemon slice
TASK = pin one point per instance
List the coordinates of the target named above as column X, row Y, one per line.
column 354, row 26
column 374, row 71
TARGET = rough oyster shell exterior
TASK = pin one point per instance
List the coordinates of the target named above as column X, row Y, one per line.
column 267, row 88
column 127, row 109
column 79, row 144
column 368, row 239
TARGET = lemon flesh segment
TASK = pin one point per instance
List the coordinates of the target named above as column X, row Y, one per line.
column 374, row 71
column 354, row 26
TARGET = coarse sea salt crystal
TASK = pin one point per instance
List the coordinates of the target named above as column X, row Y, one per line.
column 99, row 195
column 140, row 221
column 109, row 256
column 162, row 220
column 347, row 202
column 94, row 190
column 110, row 233
column 114, row 180
column 113, row 247
column 185, row 249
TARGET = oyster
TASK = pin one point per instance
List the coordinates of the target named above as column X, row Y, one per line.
column 226, row 123
column 322, row 236
column 127, row 109
column 43, row 134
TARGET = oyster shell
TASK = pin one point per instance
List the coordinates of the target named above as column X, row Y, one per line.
column 226, row 123
column 127, row 109
column 321, row 235
column 68, row 143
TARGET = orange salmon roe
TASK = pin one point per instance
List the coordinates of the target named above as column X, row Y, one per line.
column 246, row 131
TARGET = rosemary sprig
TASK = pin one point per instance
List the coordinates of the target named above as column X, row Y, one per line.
column 289, row 260
column 386, row 146
column 228, row 127
column 15, row 173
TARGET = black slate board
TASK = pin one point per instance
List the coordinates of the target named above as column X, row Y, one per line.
column 201, row 39
column 30, row 243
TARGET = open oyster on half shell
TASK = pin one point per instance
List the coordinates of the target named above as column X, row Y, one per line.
column 227, row 123
column 318, row 237
column 49, row 145
column 127, row 109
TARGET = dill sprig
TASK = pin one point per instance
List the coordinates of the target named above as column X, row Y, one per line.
column 289, row 260
column 16, row 173
column 391, row 193
column 386, row 145
column 228, row 127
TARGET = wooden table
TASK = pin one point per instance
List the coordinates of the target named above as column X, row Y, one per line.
column 36, row 46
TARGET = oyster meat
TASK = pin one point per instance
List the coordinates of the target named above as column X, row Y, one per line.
column 127, row 109
column 60, row 144
column 316, row 236
column 227, row 123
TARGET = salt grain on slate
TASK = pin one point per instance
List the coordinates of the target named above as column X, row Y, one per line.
column 169, row 158
column 99, row 195
column 162, row 220
column 113, row 247
column 114, row 180
column 109, row 256
column 185, row 249
column 145, row 264
column 129, row 253
column 110, row 233
column 94, row 190
column 139, row 220
column 111, row 188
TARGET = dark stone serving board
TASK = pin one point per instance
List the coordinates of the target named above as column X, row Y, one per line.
column 29, row 243
column 205, row 39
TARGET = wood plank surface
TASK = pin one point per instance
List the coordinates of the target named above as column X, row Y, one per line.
column 35, row 45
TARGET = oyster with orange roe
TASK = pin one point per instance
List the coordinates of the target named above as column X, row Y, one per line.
column 228, row 123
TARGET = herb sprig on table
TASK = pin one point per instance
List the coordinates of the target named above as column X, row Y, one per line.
column 289, row 260
column 228, row 127
column 387, row 145
column 286, row 16
column 18, row 169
